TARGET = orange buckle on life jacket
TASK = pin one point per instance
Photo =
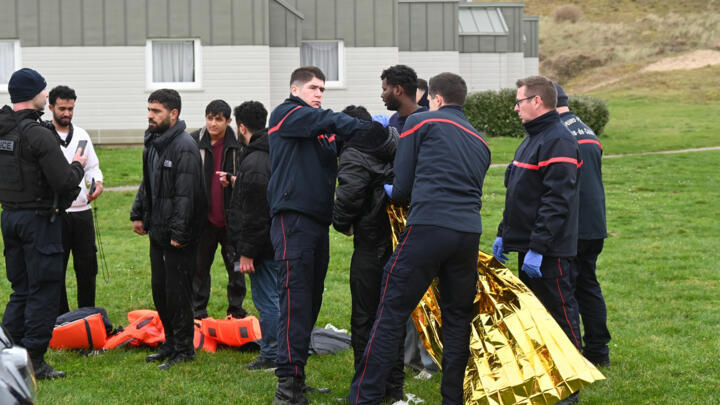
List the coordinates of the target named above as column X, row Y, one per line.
column 145, row 328
column 232, row 331
column 85, row 333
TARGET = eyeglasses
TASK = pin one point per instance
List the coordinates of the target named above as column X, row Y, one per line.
column 517, row 102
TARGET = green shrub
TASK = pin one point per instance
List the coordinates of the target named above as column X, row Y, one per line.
column 493, row 112
column 592, row 110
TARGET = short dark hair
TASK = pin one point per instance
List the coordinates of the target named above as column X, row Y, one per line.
column 304, row 74
column 540, row 86
column 403, row 76
column 252, row 114
column 422, row 84
column 358, row 111
column 169, row 98
column 450, row 86
column 218, row 107
column 63, row 92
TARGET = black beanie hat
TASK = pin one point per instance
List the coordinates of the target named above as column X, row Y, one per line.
column 562, row 99
column 25, row 84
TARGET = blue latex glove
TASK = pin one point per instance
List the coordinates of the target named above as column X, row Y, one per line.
column 388, row 189
column 531, row 264
column 498, row 250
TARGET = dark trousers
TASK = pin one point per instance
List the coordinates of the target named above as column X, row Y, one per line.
column 590, row 300
column 424, row 252
column 302, row 254
column 172, row 270
column 33, row 262
column 366, row 271
column 78, row 236
column 556, row 291
column 210, row 237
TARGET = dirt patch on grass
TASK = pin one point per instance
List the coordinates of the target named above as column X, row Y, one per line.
column 688, row 61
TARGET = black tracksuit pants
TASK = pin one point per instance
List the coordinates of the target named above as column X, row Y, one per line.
column 172, row 269
column 210, row 237
column 78, row 235
column 556, row 291
column 302, row 253
column 424, row 252
column 590, row 300
column 33, row 262
column 366, row 271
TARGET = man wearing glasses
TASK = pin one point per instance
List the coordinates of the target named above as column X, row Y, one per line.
column 540, row 220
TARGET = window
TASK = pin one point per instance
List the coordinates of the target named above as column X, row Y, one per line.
column 328, row 56
column 9, row 62
column 480, row 20
column 173, row 63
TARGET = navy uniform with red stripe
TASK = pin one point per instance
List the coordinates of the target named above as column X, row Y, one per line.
column 592, row 231
column 442, row 160
column 541, row 213
column 303, row 164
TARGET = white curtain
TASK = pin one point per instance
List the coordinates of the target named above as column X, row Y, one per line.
column 173, row 61
column 323, row 55
column 7, row 61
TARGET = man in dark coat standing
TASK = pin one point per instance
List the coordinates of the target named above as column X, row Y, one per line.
column 592, row 232
column 219, row 150
column 540, row 220
column 170, row 205
column 441, row 160
column 360, row 210
column 36, row 185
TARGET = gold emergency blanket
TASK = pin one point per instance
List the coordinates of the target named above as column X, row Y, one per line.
column 518, row 353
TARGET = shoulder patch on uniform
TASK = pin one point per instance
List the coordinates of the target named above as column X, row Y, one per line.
column 7, row 146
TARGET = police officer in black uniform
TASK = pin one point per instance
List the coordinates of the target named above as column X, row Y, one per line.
column 36, row 185
column 592, row 231
column 442, row 160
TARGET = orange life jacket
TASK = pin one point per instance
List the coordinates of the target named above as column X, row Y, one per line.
column 85, row 333
column 145, row 328
column 201, row 341
column 232, row 331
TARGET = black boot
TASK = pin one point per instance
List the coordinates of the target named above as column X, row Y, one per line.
column 44, row 371
column 164, row 352
column 177, row 358
column 290, row 391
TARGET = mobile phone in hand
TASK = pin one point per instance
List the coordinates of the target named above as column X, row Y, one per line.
column 81, row 146
column 92, row 186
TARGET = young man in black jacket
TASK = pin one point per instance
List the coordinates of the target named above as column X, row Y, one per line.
column 249, row 226
column 360, row 210
column 36, row 185
column 303, row 163
column 592, row 232
column 441, row 160
column 540, row 220
column 170, row 205
column 399, row 89
column 219, row 149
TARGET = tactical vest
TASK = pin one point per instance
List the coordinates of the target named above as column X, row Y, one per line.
column 21, row 181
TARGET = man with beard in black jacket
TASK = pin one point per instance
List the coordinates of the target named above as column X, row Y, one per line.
column 360, row 210
column 36, row 185
column 540, row 220
column 170, row 205
column 219, row 149
column 249, row 226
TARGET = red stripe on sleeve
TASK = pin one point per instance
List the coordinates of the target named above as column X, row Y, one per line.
column 525, row 165
column 446, row 121
column 560, row 160
column 276, row 127
column 582, row 141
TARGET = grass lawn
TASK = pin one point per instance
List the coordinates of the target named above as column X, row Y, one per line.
column 659, row 271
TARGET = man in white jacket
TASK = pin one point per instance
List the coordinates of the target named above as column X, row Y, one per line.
column 77, row 227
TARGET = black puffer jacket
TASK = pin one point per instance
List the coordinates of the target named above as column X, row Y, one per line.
column 171, row 201
column 249, row 213
column 365, row 165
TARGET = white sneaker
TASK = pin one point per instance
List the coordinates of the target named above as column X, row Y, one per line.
column 424, row 374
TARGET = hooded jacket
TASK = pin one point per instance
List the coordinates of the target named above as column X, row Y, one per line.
column 230, row 153
column 170, row 200
column 303, row 157
column 37, row 171
column 360, row 203
column 591, row 222
column 541, row 201
column 249, row 213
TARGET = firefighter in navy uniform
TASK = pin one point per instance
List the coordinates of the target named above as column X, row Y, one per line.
column 441, row 160
column 540, row 220
column 36, row 185
column 592, row 231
